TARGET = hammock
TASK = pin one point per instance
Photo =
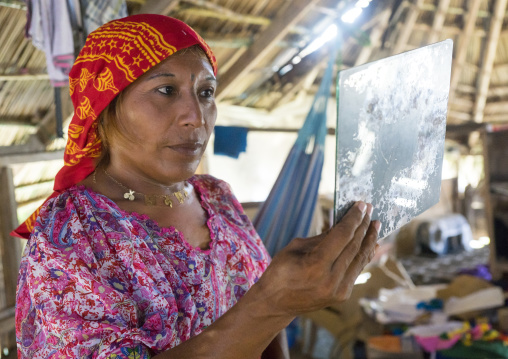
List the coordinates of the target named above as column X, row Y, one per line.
column 287, row 212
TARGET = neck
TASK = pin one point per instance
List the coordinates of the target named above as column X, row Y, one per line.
column 143, row 183
column 154, row 193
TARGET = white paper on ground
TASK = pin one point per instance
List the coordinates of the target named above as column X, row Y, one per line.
column 483, row 299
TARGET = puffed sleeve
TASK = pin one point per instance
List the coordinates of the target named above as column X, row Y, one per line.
column 91, row 286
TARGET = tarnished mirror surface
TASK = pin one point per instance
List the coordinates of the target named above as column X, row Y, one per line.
column 391, row 122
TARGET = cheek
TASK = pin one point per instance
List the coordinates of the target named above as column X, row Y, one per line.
column 209, row 126
column 211, row 117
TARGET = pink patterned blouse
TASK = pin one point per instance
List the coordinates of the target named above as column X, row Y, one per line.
column 98, row 282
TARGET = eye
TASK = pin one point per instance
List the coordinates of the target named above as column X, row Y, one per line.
column 208, row 93
column 166, row 90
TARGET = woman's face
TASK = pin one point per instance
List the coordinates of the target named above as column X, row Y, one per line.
column 167, row 116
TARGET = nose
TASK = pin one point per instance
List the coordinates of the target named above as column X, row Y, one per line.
column 191, row 112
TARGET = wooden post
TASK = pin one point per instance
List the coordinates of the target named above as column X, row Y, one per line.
column 10, row 249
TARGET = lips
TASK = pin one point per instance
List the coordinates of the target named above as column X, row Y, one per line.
column 188, row 148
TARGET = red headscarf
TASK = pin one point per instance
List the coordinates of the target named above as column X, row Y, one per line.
column 114, row 56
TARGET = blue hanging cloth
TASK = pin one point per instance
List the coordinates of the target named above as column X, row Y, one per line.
column 287, row 212
column 230, row 140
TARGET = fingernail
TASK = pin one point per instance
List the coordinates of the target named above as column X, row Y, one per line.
column 371, row 209
column 362, row 206
column 377, row 225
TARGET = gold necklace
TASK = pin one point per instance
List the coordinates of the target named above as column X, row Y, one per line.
column 150, row 199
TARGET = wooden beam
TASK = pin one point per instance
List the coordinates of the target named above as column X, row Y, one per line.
column 12, row 159
column 303, row 83
column 496, row 108
column 455, row 10
column 439, row 18
column 239, row 42
column 217, row 11
column 465, row 105
column 464, row 128
column 264, row 43
column 405, row 32
column 499, row 91
column 163, row 7
column 229, row 15
column 375, row 35
column 503, row 118
column 21, row 121
column 496, row 23
column 462, row 116
column 471, row 90
column 24, row 77
column 463, row 43
column 449, row 30
column 209, row 9
column 33, row 145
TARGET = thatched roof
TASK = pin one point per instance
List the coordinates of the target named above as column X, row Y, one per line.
column 253, row 39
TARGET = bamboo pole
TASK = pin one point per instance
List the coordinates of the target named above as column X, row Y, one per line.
column 464, row 104
column 163, row 7
column 455, row 10
column 439, row 18
column 24, row 77
column 213, row 10
column 375, row 36
column 462, row 116
column 450, row 30
column 498, row 118
column 263, row 44
column 405, row 33
column 498, row 91
column 496, row 108
column 496, row 23
column 461, row 47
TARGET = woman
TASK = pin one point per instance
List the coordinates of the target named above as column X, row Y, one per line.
column 133, row 256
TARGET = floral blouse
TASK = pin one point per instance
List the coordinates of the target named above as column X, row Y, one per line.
column 98, row 282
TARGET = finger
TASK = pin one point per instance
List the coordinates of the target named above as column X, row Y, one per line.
column 353, row 247
column 343, row 232
column 346, row 280
column 344, row 272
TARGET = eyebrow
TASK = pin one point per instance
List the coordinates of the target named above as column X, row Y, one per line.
column 169, row 74
column 161, row 74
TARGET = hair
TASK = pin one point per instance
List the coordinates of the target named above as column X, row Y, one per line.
column 108, row 121
column 107, row 128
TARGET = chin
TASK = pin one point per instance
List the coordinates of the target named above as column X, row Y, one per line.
column 182, row 173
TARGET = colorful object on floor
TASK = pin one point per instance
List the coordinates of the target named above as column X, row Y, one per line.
column 230, row 140
column 466, row 336
column 431, row 305
column 287, row 212
column 478, row 350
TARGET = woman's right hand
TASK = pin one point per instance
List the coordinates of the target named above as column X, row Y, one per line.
column 313, row 273
column 307, row 275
